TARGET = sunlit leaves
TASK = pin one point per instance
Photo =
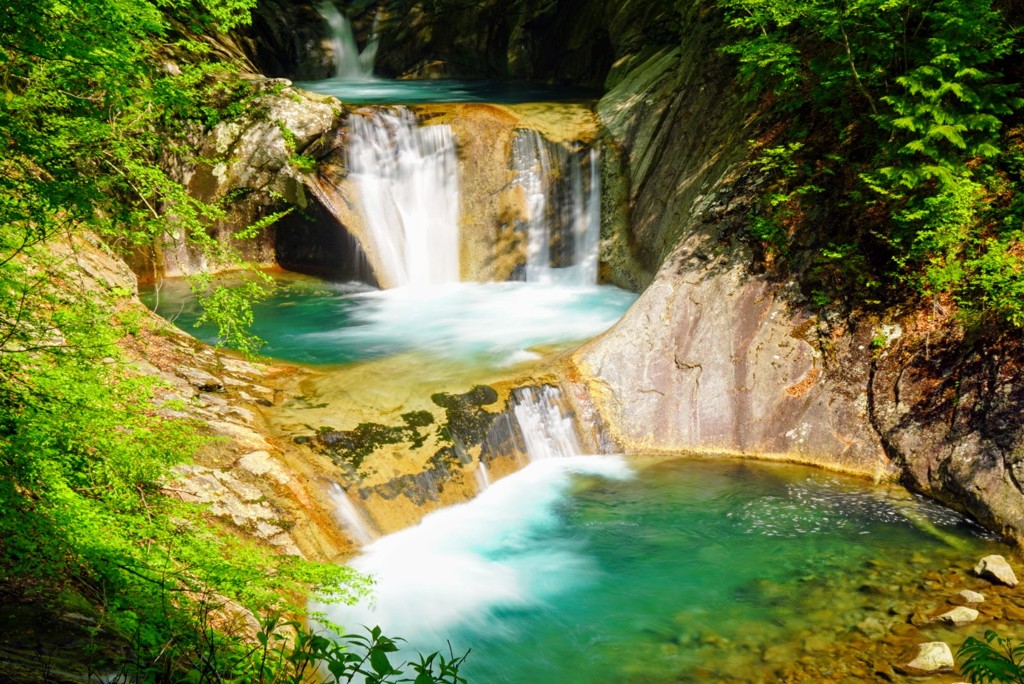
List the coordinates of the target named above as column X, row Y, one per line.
column 89, row 109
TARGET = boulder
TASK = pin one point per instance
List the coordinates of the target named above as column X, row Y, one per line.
column 933, row 656
column 959, row 616
column 995, row 569
column 971, row 596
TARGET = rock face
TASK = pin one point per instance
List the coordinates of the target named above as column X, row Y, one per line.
column 718, row 356
column 948, row 410
column 712, row 357
column 288, row 40
column 253, row 166
column 711, row 360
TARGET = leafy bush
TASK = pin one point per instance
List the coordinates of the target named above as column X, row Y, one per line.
column 911, row 101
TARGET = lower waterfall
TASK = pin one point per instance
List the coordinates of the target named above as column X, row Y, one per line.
column 547, row 424
column 350, row 518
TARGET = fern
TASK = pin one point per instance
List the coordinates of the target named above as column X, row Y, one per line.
column 993, row 660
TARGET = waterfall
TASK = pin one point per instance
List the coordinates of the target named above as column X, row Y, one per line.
column 351, row 519
column 483, row 477
column 562, row 190
column 349, row 63
column 546, row 422
column 409, row 193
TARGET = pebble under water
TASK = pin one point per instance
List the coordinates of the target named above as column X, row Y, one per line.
column 595, row 569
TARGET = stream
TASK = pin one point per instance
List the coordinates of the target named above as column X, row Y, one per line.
column 576, row 568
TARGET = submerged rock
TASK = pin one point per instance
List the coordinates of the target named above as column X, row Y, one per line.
column 971, row 596
column 994, row 568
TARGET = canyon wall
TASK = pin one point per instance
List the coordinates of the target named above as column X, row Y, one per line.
column 717, row 355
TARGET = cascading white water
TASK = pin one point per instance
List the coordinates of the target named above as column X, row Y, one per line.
column 546, row 423
column 563, row 203
column 349, row 63
column 462, row 563
column 349, row 516
column 409, row 194
column 483, row 477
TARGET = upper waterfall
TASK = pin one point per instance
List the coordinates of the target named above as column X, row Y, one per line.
column 349, row 63
column 562, row 193
column 409, row 194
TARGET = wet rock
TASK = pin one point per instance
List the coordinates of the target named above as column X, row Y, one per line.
column 200, row 379
column 240, row 414
column 932, row 657
column 905, row 630
column 994, row 568
column 259, row 401
column 959, row 616
column 919, row 618
column 885, row 671
column 871, row 627
column 971, row 597
column 1013, row 612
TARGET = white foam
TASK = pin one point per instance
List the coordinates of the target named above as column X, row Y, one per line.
column 462, row 563
column 466, row 319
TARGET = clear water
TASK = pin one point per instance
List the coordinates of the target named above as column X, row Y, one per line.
column 315, row 322
column 589, row 569
column 381, row 91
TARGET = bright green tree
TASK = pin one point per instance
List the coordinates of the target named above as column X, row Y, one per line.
column 94, row 93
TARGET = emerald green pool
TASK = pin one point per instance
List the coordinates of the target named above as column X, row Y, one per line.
column 594, row 569
column 306, row 320
column 382, row 91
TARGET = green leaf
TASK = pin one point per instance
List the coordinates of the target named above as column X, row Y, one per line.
column 380, row 663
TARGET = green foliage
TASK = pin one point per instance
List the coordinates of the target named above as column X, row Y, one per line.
column 92, row 92
column 278, row 651
column 911, row 100
column 993, row 660
column 230, row 308
column 779, row 206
